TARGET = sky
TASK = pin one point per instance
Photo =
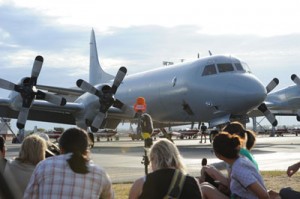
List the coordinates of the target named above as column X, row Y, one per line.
column 141, row 34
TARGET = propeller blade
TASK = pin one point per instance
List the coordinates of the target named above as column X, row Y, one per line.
column 36, row 69
column 106, row 98
column 118, row 79
column 98, row 120
column 54, row 99
column 272, row 85
column 298, row 116
column 118, row 104
column 7, row 85
column 295, row 79
column 87, row 87
column 270, row 116
column 22, row 117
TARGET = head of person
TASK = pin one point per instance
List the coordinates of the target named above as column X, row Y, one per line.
column 32, row 150
column 52, row 149
column 75, row 141
column 164, row 154
column 247, row 136
column 226, row 146
column 2, row 147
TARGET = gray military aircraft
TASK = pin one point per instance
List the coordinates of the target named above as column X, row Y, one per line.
column 286, row 101
column 214, row 89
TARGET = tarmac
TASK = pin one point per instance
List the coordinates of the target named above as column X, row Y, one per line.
column 122, row 159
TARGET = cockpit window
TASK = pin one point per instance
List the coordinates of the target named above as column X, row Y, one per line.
column 239, row 67
column 209, row 70
column 246, row 67
column 226, row 67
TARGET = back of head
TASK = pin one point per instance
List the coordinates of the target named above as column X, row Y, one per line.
column 236, row 128
column 32, row 150
column 2, row 144
column 164, row 154
column 44, row 136
column 227, row 145
column 75, row 141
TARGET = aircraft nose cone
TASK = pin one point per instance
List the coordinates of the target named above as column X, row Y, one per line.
column 247, row 93
column 256, row 93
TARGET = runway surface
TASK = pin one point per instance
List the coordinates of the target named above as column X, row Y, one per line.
column 122, row 159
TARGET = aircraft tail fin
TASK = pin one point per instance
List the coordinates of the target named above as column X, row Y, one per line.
column 96, row 74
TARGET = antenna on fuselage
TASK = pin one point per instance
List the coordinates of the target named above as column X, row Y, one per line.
column 210, row 54
column 167, row 63
column 198, row 55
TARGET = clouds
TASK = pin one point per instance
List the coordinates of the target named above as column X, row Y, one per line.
column 143, row 37
column 27, row 31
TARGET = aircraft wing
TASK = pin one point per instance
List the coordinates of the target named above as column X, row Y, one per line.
column 70, row 94
column 278, row 108
column 61, row 91
column 285, row 101
column 43, row 111
column 46, row 112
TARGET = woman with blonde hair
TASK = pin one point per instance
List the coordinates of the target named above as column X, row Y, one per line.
column 166, row 162
column 19, row 170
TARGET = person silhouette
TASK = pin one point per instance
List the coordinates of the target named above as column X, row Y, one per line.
column 203, row 132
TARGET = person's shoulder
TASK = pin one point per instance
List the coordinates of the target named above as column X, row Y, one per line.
column 96, row 169
column 19, row 164
column 242, row 162
column 55, row 158
column 161, row 172
column 52, row 161
column 159, row 175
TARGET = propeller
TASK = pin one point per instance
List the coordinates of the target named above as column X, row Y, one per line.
column 295, row 79
column 28, row 92
column 105, row 95
column 264, row 109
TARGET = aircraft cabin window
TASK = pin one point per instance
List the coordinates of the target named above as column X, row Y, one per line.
column 225, row 67
column 209, row 70
column 239, row 67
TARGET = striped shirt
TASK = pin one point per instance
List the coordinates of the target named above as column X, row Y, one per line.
column 53, row 178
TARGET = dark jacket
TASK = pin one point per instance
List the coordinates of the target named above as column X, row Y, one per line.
column 157, row 184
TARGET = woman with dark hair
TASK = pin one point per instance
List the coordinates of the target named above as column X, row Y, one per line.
column 245, row 181
column 70, row 175
column 247, row 138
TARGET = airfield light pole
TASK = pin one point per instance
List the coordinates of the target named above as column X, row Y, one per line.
column 145, row 128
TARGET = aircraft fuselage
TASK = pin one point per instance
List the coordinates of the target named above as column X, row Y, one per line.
column 183, row 93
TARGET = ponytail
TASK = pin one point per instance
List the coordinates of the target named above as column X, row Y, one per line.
column 75, row 141
column 227, row 145
column 78, row 163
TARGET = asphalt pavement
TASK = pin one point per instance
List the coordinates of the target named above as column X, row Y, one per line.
column 122, row 159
